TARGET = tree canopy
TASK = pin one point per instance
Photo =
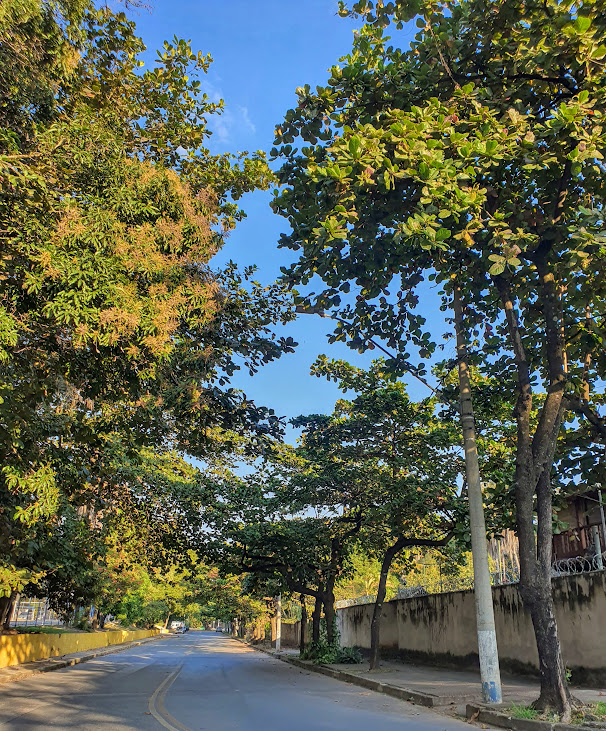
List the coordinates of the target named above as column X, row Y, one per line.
column 117, row 335
column 473, row 159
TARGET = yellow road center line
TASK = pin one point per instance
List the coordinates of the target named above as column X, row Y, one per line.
column 157, row 707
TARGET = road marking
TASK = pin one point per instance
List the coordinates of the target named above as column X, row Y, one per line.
column 157, row 707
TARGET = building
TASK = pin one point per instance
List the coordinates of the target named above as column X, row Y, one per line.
column 583, row 516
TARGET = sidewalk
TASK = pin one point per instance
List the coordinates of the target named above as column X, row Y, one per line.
column 434, row 686
column 20, row 672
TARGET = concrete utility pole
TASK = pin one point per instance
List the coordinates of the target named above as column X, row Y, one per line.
column 278, row 621
column 487, row 638
column 602, row 519
column 595, row 532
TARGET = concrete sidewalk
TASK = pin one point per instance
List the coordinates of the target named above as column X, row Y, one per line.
column 434, row 686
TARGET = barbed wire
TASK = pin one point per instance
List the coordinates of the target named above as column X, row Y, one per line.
column 438, row 586
column 561, row 567
column 578, row 564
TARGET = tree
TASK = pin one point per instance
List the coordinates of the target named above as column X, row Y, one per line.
column 276, row 525
column 292, row 554
column 474, row 159
column 404, row 462
column 114, row 330
column 142, row 525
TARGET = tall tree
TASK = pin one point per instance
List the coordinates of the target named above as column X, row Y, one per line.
column 404, row 460
column 115, row 332
column 474, row 158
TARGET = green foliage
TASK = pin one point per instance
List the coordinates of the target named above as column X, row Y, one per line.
column 523, row 712
column 81, row 620
column 438, row 570
column 362, row 577
column 326, row 652
column 600, row 708
column 382, row 456
column 117, row 339
column 348, row 656
column 36, row 630
column 432, row 164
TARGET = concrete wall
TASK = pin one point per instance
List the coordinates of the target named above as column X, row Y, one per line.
column 16, row 649
column 291, row 633
column 441, row 628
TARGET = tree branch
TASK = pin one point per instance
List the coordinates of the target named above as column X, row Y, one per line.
column 582, row 408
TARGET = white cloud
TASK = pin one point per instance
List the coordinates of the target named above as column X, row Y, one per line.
column 247, row 120
column 234, row 123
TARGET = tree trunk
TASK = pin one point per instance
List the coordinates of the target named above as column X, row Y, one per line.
column 167, row 621
column 554, row 688
column 536, row 592
column 390, row 554
column 4, row 605
column 315, row 620
column 534, row 462
column 375, row 626
column 303, row 625
column 329, row 610
column 7, row 604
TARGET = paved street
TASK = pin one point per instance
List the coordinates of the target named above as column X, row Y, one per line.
column 202, row 680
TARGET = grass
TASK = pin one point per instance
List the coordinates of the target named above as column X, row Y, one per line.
column 523, row 712
column 599, row 709
column 592, row 712
column 42, row 630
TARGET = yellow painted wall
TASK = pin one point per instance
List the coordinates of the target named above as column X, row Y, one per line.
column 16, row 649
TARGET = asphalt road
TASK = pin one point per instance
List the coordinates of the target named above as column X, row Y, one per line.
column 202, row 680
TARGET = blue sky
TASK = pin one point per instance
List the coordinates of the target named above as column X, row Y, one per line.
column 262, row 51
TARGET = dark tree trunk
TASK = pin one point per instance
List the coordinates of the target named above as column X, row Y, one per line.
column 534, row 462
column 329, row 610
column 554, row 687
column 303, row 625
column 375, row 626
column 167, row 621
column 7, row 604
column 390, row 554
column 315, row 620
column 536, row 592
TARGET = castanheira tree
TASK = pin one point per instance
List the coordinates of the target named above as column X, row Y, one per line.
column 472, row 159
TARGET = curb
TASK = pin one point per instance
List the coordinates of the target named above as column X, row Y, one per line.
column 428, row 700
column 14, row 673
column 483, row 714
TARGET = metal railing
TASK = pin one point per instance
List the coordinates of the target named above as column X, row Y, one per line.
column 457, row 583
column 366, row 599
column 34, row 613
